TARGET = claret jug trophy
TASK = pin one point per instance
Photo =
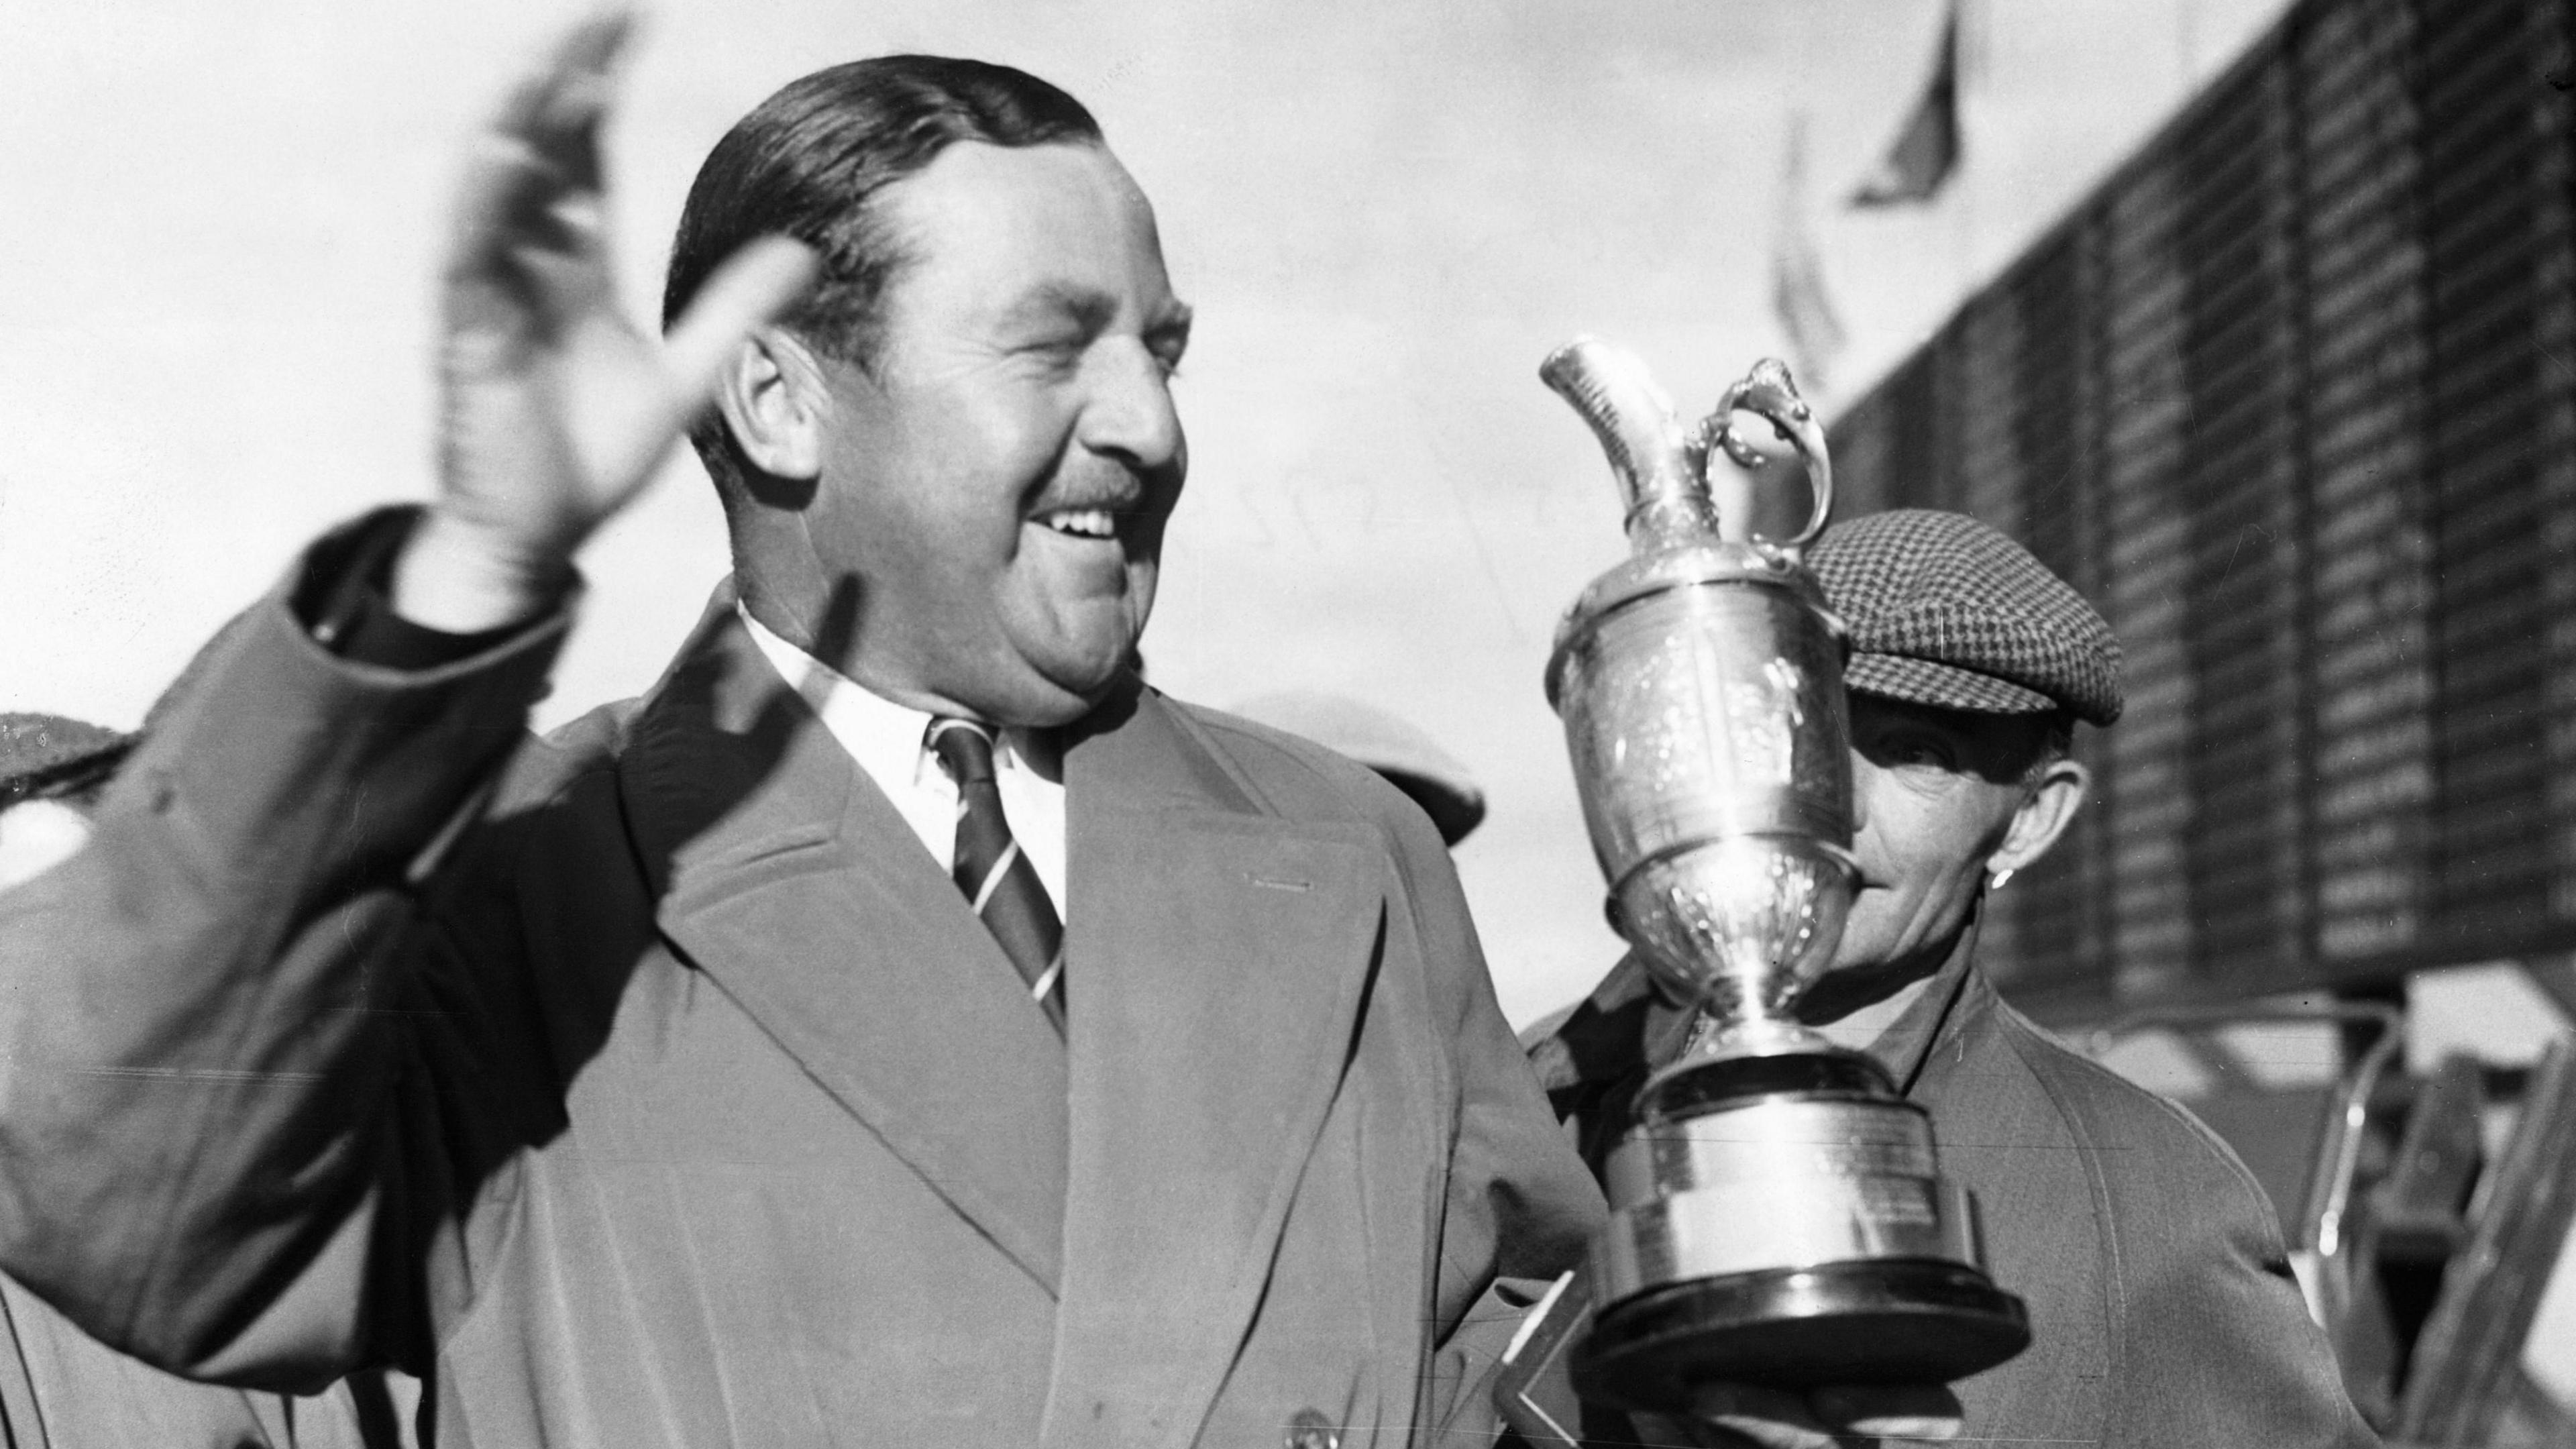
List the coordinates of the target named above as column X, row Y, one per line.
column 1777, row 1210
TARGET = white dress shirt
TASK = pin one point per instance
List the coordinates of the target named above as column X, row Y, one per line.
column 887, row 740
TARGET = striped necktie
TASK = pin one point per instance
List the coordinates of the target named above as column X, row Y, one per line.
column 994, row 872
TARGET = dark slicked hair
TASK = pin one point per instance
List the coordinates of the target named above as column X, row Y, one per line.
column 809, row 162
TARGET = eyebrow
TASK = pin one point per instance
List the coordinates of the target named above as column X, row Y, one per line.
column 1050, row 300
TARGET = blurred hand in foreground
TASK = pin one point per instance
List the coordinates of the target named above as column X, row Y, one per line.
column 554, row 409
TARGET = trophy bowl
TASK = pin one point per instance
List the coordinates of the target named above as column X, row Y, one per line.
column 1777, row 1211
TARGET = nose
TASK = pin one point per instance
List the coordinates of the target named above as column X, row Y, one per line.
column 1129, row 415
column 1864, row 782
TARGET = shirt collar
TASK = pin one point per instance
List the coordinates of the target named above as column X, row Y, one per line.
column 888, row 740
column 883, row 736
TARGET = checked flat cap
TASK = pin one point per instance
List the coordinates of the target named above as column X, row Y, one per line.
column 1947, row 612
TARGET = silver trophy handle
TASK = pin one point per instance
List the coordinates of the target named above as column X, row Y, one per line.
column 1768, row 393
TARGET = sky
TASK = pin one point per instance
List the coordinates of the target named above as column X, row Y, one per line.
column 218, row 226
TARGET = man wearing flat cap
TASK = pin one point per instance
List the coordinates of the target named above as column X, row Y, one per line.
column 2161, row 1302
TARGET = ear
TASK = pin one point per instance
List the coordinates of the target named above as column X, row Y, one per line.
column 2044, row 815
column 772, row 396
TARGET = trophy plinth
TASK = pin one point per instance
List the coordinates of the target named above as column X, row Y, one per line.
column 1782, row 1220
column 1777, row 1210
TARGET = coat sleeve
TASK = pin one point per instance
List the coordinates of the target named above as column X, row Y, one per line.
column 1520, row 1206
column 2216, row 1345
column 206, row 1113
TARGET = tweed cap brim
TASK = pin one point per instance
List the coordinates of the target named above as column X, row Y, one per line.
column 1943, row 686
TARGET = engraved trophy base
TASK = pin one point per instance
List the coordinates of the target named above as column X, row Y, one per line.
column 1780, row 1219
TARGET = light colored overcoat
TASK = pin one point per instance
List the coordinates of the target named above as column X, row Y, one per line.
column 683, row 1102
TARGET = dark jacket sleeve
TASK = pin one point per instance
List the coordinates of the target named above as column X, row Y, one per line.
column 205, row 1009
column 2215, row 1344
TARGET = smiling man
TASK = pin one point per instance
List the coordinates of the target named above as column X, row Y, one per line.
column 2161, row 1302
column 900, row 1026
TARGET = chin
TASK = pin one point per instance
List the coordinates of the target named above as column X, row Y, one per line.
column 1089, row 661
column 1060, row 692
column 1093, row 684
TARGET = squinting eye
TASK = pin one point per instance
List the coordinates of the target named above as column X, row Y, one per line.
column 1909, row 752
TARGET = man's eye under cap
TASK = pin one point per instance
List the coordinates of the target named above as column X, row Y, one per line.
column 1947, row 612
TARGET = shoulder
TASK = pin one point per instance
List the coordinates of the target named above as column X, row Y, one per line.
column 2212, row 1337
column 2150, row 1151
column 552, row 765
column 1298, row 780
column 1298, row 777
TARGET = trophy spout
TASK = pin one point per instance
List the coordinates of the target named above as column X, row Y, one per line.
column 1657, row 462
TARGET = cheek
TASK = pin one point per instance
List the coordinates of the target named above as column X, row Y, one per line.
column 1913, row 846
column 1012, row 429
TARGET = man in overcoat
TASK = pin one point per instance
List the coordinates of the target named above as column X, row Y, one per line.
column 2162, row 1308
column 899, row 1026
column 60, row 1388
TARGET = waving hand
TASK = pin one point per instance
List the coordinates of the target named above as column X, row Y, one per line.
column 554, row 408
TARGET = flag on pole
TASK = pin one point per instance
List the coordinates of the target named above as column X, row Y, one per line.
column 1927, row 150
column 1798, row 298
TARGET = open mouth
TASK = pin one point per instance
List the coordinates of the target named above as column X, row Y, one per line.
column 1082, row 522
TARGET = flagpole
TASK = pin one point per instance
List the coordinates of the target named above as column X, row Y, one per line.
column 1969, row 37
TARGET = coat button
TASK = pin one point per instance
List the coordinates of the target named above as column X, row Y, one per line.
column 1310, row 1430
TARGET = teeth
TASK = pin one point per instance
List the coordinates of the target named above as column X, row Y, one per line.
column 1084, row 523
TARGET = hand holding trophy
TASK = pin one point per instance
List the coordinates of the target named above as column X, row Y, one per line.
column 1777, row 1214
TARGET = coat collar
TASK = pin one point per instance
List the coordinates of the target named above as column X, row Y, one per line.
column 1952, row 1022
column 1933, row 1022
column 787, row 877
column 1217, row 960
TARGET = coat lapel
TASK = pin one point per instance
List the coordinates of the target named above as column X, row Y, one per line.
column 1217, row 958
column 786, row 876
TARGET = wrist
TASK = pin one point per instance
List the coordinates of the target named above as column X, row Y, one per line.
column 463, row 577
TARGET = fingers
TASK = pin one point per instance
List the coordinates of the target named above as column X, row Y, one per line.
column 1773, row 1418
column 1658, row 1431
column 753, row 286
column 1891, row 1411
column 557, row 110
column 1825, row 1417
column 532, row 178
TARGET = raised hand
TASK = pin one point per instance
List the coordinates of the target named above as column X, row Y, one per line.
column 553, row 409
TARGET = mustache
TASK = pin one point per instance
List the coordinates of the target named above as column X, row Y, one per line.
column 1119, row 492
